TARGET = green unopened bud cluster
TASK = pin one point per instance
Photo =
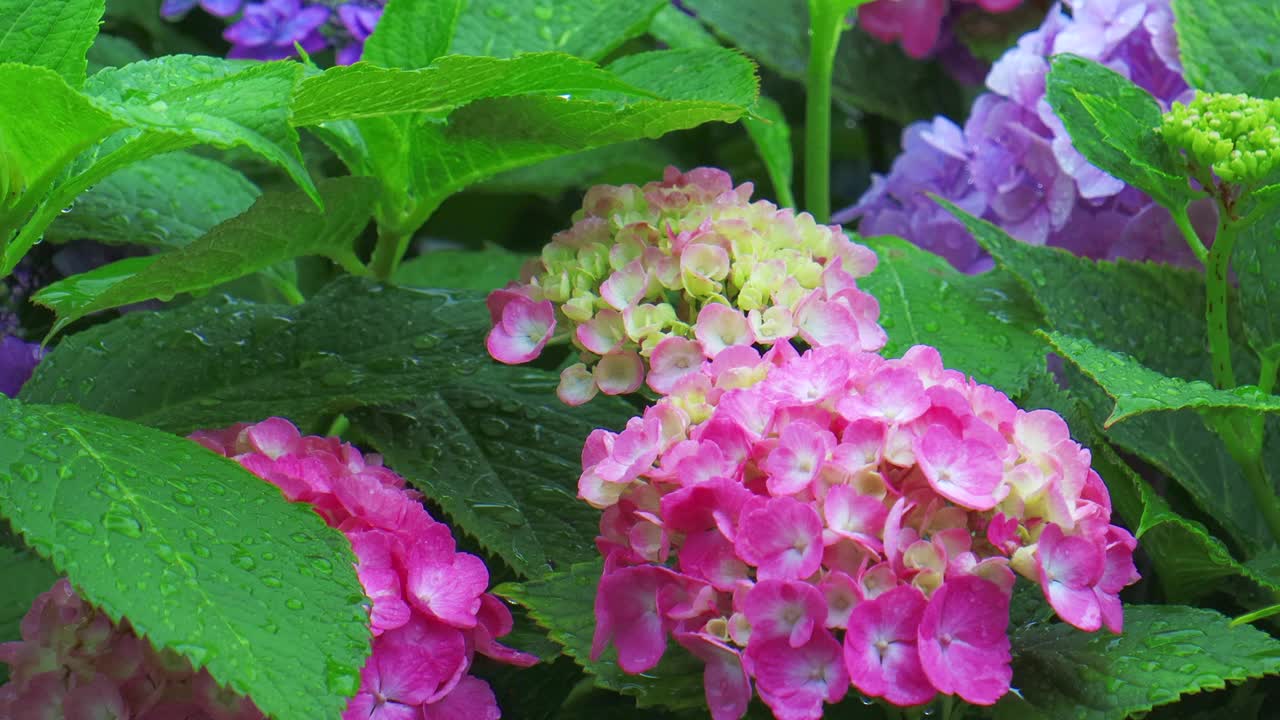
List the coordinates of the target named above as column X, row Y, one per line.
column 1236, row 135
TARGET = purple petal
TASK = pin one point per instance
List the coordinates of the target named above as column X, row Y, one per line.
column 172, row 9
column 17, row 360
column 221, row 8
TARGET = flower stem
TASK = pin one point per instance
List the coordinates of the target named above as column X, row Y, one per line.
column 1183, row 221
column 826, row 22
column 1216, row 302
column 387, row 253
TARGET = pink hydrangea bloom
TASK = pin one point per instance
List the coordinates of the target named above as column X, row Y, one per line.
column 429, row 611
column 917, row 24
column 807, row 522
column 652, row 282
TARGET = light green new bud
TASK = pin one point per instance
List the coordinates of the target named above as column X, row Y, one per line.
column 1235, row 135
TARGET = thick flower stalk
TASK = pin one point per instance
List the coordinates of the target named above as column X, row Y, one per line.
column 651, row 281
column 804, row 522
column 268, row 29
column 918, row 24
column 1013, row 162
column 429, row 613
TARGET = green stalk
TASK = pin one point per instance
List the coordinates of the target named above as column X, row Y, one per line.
column 388, row 252
column 1183, row 221
column 1267, row 373
column 1216, row 301
column 1260, row 486
column 826, row 22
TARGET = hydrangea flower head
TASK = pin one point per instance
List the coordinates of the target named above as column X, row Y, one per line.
column 268, row 29
column 18, row 359
column 804, row 522
column 653, row 281
column 917, row 24
column 1013, row 162
column 429, row 611
column 1235, row 135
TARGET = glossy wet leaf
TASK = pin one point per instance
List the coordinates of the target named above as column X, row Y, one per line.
column 1226, row 45
column 201, row 556
column 280, row 226
column 1113, row 123
column 563, row 603
column 981, row 324
column 1166, row 651
column 1155, row 314
column 51, row 33
column 1138, row 389
column 167, row 201
column 587, row 28
column 482, row 270
column 412, row 33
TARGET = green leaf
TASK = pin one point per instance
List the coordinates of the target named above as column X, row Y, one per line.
column 1257, row 266
column 461, row 269
column 590, row 29
column 112, row 51
column 1154, row 313
column 637, row 162
column 51, row 33
column 1225, row 45
column 412, row 33
column 165, row 201
column 924, row 301
column 25, row 576
column 771, row 134
column 364, row 90
column 201, row 556
column 869, row 75
column 675, row 28
column 501, row 455
column 1113, row 123
column 1139, row 389
column 1165, row 652
column 280, row 226
column 564, row 604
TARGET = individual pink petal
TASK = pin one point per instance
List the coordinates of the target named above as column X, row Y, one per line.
column 273, row 437
column 626, row 287
column 799, row 455
column 880, row 647
column 788, row 610
column 965, row 472
column 841, row 595
column 627, row 615
column 619, row 373
column 719, row 327
column 494, row 621
column 1069, row 567
column 891, row 395
column 603, row 333
column 728, row 690
column 795, row 681
column 380, row 579
column 709, row 556
column 413, row 665
column 98, row 699
column 783, row 539
column 577, row 385
column 963, row 646
column 824, row 323
column 855, row 516
column 672, row 360
column 525, row 328
column 471, row 698
column 447, row 589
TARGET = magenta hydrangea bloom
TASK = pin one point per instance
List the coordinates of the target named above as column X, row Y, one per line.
column 429, row 614
column 918, row 24
column 652, row 281
column 807, row 522
column 1013, row 162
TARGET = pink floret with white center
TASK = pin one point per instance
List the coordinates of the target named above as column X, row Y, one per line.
column 803, row 522
column 652, row 282
column 429, row 610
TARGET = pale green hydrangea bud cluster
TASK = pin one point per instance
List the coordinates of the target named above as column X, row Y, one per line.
column 1235, row 135
column 653, row 281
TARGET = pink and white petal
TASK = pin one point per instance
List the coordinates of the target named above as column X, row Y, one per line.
column 619, row 373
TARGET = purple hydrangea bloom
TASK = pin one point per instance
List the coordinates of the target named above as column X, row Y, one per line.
column 222, row 8
column 267, row 31
column 18, row 359
column 359, row 21
column 1028, row 177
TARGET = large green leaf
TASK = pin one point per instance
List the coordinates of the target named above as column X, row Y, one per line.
column 564, row 604
column 924, row 301
column 165, row 201
column 26, row 575
column 869, row 75
column 1113, row 123
column 1257, row 266
column 1154, row 313
column 364, row 90
column 280, row 226
column 1138, row 389
column 587, row 28
column 412, row 33
column 461, row 269
column 772, row 137
column 1227, row 45
column 201, row 556
column 637, row 162
column 1166, row 651
column 51, row 33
